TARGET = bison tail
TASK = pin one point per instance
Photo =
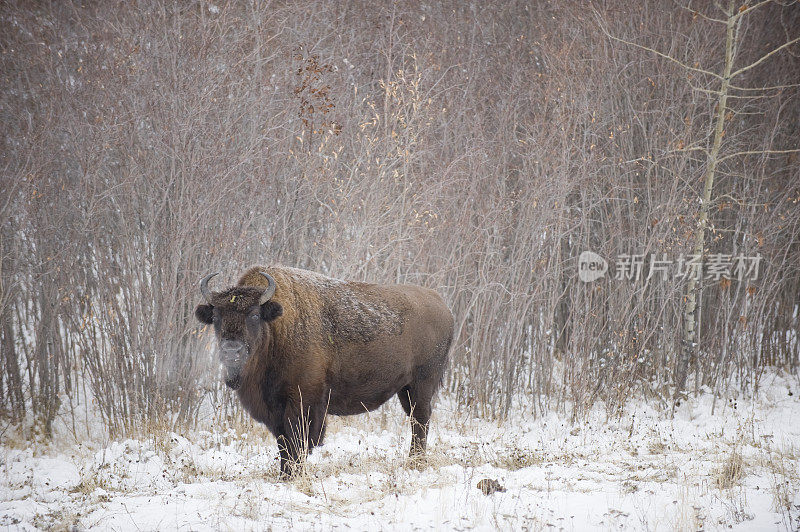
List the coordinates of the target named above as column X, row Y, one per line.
column 444, row 357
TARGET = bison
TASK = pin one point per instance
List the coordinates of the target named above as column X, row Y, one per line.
column 297, row 345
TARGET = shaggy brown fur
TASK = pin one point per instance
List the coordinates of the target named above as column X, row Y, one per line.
column 323, row 346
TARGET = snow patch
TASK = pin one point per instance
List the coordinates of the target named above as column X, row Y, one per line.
column 639, row 470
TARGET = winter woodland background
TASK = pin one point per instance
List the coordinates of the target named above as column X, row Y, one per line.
column 473, row 147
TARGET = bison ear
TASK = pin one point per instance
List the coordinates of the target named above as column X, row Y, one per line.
column 271, row 310
column 204, row 313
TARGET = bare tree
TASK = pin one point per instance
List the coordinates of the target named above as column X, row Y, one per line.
column 711, row 146
column 477, row 152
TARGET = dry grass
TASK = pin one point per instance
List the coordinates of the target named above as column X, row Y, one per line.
column 364, row 467
column 57, row 521
column 514, row 459
column 784, row 483
column 732, row 470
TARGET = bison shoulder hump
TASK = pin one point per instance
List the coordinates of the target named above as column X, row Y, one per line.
column 354, row 317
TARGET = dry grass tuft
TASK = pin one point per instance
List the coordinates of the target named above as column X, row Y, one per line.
column 784, row 484
column 515, row 459
column 732, row 471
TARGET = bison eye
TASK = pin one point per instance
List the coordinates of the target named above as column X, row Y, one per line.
column 254, row 317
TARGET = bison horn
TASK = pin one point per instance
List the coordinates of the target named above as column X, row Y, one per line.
column 204, row 287
column 269, row 291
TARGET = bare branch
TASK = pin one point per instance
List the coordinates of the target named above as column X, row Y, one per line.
column 757, row 152
column 700, row 14
column 772, row 88
column 706, row 91
column 660, row 54
column 751, row 8
column 741, row 97
column 765, row 57
column 688, row 149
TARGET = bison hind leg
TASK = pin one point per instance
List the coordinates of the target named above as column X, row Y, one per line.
column 404, row 395
column 418, row 407
column 420, row 417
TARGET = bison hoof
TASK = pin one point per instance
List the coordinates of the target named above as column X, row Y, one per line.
column 417, row 461
column 290, row 470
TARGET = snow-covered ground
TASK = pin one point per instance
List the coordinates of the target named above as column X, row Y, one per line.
column 736, row 469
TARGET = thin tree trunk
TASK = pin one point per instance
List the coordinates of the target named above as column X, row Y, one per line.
column 691, row 313
column 11, row 363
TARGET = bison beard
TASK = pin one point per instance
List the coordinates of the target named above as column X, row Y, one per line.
column 297, row 345
column 233, row 380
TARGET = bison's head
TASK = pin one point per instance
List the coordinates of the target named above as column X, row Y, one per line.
column 240, row 316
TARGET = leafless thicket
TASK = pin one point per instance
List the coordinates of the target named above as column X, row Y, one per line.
column 475, row 150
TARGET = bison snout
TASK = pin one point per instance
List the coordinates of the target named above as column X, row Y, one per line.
column 232, row 351
column 231, row 345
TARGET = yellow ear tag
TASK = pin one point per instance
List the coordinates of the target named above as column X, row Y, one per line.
column 233, row 299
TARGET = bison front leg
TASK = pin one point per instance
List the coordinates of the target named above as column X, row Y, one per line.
column 287, row 456
column 302, row 430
